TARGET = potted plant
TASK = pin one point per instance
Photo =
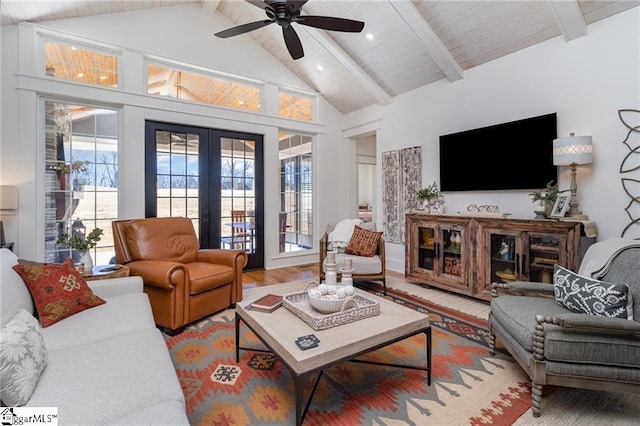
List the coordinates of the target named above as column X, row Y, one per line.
column 544, row 199
column 82, row 244
column 428, row 196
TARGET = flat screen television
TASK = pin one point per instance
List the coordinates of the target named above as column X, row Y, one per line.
column 507, row 156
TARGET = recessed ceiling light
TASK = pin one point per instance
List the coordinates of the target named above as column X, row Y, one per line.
column 370, row 36
column 241, row 102
column 103, row 77
column 80, row 75
column 319, row 67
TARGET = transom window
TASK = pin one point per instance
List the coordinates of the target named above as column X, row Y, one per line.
column 296, row 106
column 72, row 62
column 202, row 88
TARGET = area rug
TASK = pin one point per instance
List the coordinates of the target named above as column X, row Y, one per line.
column 469, row 387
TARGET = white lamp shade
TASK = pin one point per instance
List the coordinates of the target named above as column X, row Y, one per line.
column 8, row 199
column 574, row 149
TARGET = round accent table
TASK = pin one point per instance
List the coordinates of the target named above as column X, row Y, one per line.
column 103, row 272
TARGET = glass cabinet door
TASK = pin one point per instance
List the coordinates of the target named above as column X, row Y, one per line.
column 427, row 253
column 452, row 248
column 504, row 256
column 545, row 250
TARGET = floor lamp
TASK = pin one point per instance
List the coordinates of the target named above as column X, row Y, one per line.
column 572, row 151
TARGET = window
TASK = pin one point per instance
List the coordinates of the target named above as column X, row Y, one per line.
column 295, row 106
column 296, row 192
column 207, row 89
column 71, row 62
column 81, row 177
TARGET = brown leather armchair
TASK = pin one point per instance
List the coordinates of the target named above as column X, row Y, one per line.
column 184, row 283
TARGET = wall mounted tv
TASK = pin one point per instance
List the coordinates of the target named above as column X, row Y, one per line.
column 514, row 155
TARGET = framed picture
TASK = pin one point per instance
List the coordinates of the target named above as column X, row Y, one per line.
column 561, row 206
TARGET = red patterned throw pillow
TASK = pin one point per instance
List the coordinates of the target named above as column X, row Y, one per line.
column 363, row 242
column 58, row 290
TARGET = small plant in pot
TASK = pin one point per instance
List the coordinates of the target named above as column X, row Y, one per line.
column 82, row 244
column 428, row 196
column 544, row 199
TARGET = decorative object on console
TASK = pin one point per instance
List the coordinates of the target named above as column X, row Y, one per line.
column 631, row 163
column 545, row 199
column 428, row 197
column 572, row 151
column 560, row 207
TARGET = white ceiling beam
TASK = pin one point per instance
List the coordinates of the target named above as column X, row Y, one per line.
column 211, row 5
column 348, row 63
column 428, row 38
column 570, row 18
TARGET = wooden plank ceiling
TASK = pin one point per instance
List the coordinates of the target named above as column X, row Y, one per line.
column 414, row 42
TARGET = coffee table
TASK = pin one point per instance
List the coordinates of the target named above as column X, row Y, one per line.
column 279, row 330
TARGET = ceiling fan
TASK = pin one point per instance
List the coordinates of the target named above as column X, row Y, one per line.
column 286, row 12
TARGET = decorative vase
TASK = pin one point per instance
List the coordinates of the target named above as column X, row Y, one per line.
column 540, row 209
column 85, row 259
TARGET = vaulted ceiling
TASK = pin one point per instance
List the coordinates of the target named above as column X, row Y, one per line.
column 411, row 43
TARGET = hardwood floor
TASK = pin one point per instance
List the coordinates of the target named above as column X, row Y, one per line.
column 281, row 275
column 288, row 274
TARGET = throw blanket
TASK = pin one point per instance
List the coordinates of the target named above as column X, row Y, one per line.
column 343, row 230
column 598, row 257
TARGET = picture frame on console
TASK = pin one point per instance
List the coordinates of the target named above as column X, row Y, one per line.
column 560, row 207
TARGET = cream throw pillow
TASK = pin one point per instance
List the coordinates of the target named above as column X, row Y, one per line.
column 23, row 357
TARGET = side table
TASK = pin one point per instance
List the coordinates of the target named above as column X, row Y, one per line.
column 103, row 272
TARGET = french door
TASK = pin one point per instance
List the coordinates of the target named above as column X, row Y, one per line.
column 213, row 177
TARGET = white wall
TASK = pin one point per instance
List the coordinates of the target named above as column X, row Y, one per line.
column 182, row 33
column 586, row 81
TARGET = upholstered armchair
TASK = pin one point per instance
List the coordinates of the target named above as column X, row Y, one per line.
column 583, row 331
column 365, row 268
column 184, row 283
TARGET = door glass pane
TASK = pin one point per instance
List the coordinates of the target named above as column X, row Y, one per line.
column 177, row 175
column 296, row 193
column 237, row 195
column 81, row 178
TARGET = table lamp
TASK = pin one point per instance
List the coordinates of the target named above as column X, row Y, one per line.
column 572, row 151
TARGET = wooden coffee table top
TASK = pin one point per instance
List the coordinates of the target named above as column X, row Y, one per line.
column 281, row 328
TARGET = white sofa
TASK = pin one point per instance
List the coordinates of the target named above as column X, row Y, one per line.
column 105, row 365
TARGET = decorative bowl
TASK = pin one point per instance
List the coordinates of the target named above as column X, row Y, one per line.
column 328, row 303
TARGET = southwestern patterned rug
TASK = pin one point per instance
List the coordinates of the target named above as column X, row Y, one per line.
column 469, row 387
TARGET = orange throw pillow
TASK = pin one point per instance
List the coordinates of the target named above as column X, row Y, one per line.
column 363, row 242
column 58, row 290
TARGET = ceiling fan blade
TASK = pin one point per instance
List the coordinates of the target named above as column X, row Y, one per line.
column 294, row 45
column 331, row 23
column 241, row 29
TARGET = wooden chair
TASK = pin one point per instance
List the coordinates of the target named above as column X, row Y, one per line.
column 239, row 232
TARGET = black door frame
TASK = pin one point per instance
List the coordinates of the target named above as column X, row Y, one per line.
column 209, row 166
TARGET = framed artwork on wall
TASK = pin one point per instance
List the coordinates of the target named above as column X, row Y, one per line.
column 561, row 206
